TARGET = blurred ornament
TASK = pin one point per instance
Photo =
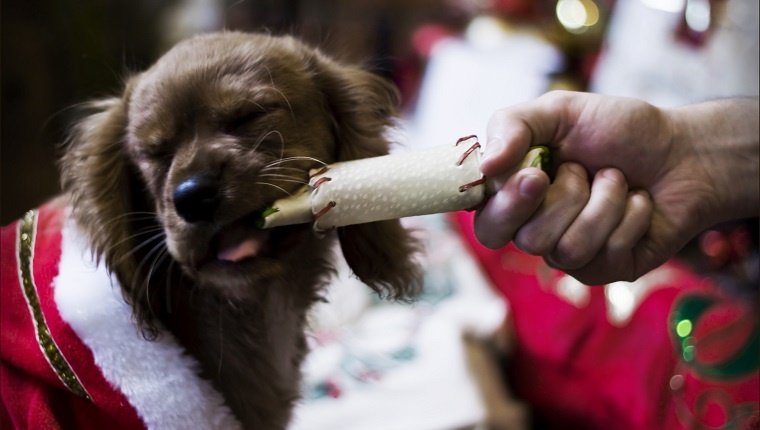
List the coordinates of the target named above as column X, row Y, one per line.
column 427, row 36
column 715, row 247
column 486, row 32
column 699, row 18
column 577, row 15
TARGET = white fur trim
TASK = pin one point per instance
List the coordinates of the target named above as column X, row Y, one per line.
column 157, row 377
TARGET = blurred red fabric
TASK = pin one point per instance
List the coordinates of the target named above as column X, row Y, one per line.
column 579, row 370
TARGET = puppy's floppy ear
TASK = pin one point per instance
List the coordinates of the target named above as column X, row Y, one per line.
column 99, row 183
column 363, row 106
column 94, row 177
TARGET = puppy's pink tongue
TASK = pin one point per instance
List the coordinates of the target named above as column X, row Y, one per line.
column 238, row 244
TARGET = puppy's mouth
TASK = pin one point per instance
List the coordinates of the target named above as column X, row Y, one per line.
column 241, row 248
column 240, row 241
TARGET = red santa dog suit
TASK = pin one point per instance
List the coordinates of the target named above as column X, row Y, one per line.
column 72, row 357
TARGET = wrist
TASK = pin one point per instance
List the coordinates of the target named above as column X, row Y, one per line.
column 719, row 142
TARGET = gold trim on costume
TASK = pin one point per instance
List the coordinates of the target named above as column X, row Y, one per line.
column 26, row 230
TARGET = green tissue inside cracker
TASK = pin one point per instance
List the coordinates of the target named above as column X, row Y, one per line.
column 268, row 211
column 538, row 156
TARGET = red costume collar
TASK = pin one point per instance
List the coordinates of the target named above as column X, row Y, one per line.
column 67, row 329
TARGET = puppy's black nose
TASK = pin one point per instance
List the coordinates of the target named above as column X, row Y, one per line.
column 197, row 198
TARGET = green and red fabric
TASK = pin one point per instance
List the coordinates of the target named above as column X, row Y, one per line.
column 669, row 351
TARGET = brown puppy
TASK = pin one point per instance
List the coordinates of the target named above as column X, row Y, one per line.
column 168, row 179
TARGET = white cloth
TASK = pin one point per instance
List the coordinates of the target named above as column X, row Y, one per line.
column 380, row 365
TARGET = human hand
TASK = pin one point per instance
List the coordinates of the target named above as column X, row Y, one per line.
column 656, row 181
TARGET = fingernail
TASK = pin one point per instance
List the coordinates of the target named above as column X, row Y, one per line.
column 613, row 175
column 532, row 187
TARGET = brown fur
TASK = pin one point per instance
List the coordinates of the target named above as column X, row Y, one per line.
column 229, row 105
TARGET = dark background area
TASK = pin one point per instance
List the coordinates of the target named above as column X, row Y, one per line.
column 55, row 55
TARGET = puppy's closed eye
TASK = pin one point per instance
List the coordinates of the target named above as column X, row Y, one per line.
column 158, row 151
column 240, row 121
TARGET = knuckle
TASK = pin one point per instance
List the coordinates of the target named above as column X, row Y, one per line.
column 489, row 238
column 571, row 257
column 572, row 179
column 531, row 242
column 498, row 115
column 557, row 96
column 613, row 177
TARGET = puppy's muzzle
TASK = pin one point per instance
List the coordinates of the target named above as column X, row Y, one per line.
column 196, row 199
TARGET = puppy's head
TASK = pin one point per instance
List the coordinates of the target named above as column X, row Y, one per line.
column 207, row 138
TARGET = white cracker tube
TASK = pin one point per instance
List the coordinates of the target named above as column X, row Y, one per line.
column 436, row 180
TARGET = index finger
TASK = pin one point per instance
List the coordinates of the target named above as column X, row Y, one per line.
column 511, row 131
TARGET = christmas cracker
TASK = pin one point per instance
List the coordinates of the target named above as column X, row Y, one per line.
column 420, row 182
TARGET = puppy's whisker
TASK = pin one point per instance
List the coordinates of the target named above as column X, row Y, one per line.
column 59, row 112
column 275, row 186
column 298, row 174
column 142, row 245
column 296, row 158
column 284, row 178
column 152, row 266
column 142, row 214
column 132, row 216
column 139, row 233
column 257, row 105
column 158, row 247
column 232, row 304
column 279, row 168
column 282, row 144
column 290, row 108
column 263, row 138
column 159, row 260
column 168, row 287
column 274, row 87
column 127, row 218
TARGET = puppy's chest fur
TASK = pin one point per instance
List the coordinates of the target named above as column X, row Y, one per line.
column 251, row 351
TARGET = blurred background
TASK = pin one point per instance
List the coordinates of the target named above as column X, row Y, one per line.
column 56, row 54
